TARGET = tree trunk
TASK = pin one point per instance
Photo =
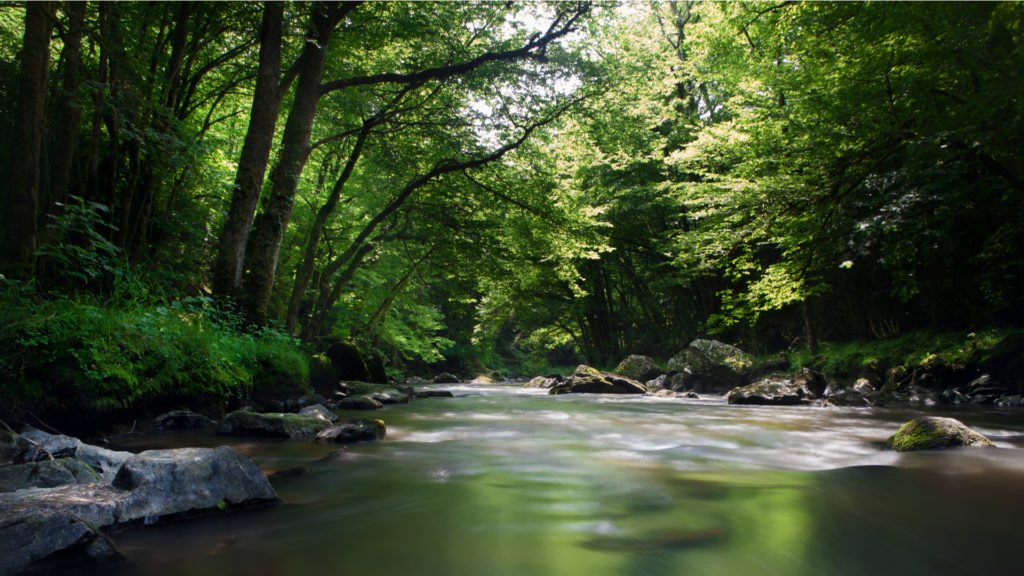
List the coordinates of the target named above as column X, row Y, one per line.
column 809, row 334
column 252, row 165
column 305, row 272
column 23, row 190
column 70, row 114
column 264, row 244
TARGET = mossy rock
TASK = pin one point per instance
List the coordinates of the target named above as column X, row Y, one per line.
column 933, row 432
column 638, row 367
column 270, row 425
column 591, row 380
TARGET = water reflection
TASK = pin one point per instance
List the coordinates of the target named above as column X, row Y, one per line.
column 499, row 481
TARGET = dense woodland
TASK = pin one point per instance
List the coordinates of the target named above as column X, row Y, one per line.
column 199, row 195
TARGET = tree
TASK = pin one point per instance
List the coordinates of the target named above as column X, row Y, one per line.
column 22, row 201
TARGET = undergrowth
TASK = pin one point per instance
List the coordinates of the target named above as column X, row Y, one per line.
column 69, row 353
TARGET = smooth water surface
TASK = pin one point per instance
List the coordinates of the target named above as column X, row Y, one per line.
column 503, row 481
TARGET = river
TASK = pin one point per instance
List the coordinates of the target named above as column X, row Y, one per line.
column 506, row 481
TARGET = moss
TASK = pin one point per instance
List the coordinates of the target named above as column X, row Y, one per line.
column 930, row 433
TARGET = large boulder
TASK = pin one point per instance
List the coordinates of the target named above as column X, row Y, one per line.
column 166, row 482
column 181, row 420
column 933, row 432
column 587, row 380
column 270, row 425
column 637, row 367
column 58, row 530
column 348, row 362
column 770, row 392
column 446, row 378
column 712, row 366
column 353, row 431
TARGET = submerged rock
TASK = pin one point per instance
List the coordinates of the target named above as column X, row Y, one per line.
column 181, row 420
column 270, row 425
column 933, row 432
column 587, row 380
column 353, row 431
column 638, row 367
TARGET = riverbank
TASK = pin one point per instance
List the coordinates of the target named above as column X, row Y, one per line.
column 507, row 480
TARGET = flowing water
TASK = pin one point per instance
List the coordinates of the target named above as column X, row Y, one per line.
column 503, row 481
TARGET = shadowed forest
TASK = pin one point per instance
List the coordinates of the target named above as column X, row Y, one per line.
column 200, row 199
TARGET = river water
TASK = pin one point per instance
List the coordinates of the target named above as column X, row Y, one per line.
column 505, row 481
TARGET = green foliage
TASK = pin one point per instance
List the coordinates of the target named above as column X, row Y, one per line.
column 81, row 254
column 62, row 354
column 911, row 350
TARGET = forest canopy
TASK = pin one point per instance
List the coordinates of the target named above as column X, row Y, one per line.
column 500, row 185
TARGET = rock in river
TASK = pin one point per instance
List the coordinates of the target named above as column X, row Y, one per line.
column 270, row 425
column 932, row 432
column 181, row 420
column 353, row 431
column 359, row 403
column 638, row 367
column 592, row 380
column 770, row 391
column 710, row 366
